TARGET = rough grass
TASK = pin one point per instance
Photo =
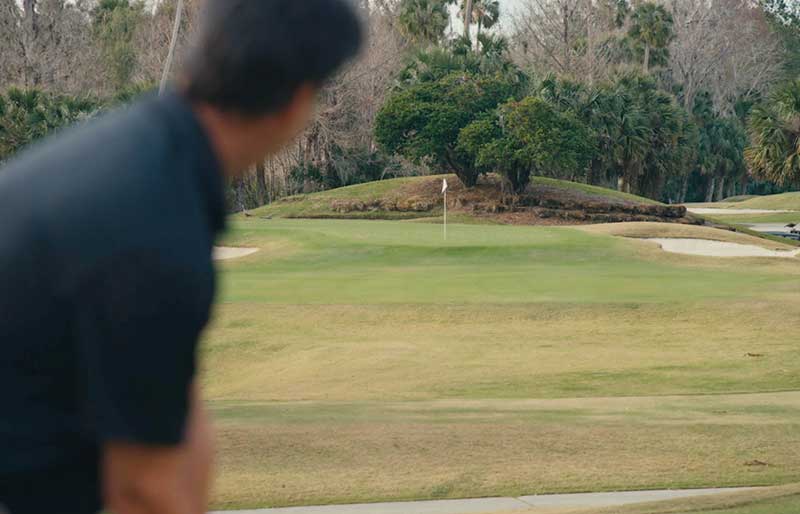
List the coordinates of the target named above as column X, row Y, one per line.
column 364, row 361
column 343, row 452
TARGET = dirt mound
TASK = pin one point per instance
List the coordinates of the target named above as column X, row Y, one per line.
column 541, row 205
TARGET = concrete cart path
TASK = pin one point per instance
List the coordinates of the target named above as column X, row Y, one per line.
column 486, row 505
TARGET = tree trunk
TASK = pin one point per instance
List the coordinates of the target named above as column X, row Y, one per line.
column 684, row 189
column 30, row 29
column 467, row 19
column 719, row 195
column 567, row 64
column 261, row 183
column 646, row 58
column 710, row 189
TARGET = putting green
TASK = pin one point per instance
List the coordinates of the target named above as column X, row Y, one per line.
column 333, row 346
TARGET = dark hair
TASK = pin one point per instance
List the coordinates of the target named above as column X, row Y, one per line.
column 252, row 55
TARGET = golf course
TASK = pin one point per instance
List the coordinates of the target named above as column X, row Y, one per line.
column 364, row 360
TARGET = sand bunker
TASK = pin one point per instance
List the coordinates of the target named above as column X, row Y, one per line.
column 703, row 210
column 223, row 253
column 708, row 248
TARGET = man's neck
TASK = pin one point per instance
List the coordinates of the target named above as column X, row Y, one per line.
column 231, row 149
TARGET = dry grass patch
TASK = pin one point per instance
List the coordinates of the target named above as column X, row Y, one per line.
column 276, row 352
column 320, row 453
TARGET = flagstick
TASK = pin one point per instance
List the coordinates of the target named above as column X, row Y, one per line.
column 445, row 214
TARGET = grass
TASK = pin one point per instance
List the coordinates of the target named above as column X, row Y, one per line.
column 781, row 217
column 360, row 361
column 784, row 201
column 342, row 452
column 591, row 190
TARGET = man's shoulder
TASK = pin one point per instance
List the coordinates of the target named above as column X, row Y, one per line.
column 93, row 187
column 121, row 138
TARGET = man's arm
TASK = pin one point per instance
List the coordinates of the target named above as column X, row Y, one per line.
column 138, row 323
column 140, row 479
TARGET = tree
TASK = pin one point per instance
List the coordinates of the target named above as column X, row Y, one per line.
column 47, row 44
column 422, row 122
column 29, row 115
column 528, row 137
column 724, row 47
column 485, row 13
column 651, row 26
column 551, row 35
column 115, row 23
column 774, row 128
column 424, row 21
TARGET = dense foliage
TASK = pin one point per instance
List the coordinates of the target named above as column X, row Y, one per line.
column 656, row 98
column 525, row 138
column 422, row 122
column 775, row 135
column 640, row 130
column 26, row 116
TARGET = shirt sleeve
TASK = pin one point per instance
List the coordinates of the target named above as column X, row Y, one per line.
column 139, row 319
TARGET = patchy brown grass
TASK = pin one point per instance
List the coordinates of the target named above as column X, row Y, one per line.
column 319, row 453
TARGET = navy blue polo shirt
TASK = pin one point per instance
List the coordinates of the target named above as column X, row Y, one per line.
column 106, row 282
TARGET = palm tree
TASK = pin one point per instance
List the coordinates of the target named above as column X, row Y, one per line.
column 774, row 129
column 651, row 26
column 483, row 13
column 29, row 115
column 424, row 21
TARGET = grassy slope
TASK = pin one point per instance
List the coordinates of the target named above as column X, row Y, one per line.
column 318, row 205
column 785, row 201
column 781, row 217
column 375, row 323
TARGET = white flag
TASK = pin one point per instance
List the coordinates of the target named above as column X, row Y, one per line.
column 444, row 186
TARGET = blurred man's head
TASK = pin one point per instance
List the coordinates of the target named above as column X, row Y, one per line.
column 257, row 66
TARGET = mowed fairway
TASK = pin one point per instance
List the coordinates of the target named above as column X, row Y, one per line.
column 366, row 360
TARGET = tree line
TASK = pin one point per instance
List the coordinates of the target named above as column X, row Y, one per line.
column 676, row 100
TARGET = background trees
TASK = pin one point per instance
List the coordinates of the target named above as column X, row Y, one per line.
column 26, row 116
column 528, row 137
column 651, row 28
column 774, row 153
column 423, row 121
column 665, row 94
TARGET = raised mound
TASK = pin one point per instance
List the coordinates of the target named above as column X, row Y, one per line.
column 547, row 202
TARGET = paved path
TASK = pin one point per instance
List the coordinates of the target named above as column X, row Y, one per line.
column 485, row 505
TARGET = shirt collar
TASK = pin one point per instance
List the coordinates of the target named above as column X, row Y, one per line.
column 208, row 169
